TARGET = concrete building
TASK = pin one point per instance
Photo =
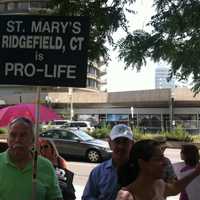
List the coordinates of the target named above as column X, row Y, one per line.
column 153, row 110
column 162, row 78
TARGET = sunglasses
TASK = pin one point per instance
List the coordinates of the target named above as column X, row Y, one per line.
column 44, row 147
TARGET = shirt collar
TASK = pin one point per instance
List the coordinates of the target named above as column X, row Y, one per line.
column 109, row 164
column 9, row 162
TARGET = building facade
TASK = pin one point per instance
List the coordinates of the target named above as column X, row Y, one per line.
column 153, row 110
column 162, row 78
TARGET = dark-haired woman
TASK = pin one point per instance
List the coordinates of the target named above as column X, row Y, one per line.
column 190, row 155
column 146, row 167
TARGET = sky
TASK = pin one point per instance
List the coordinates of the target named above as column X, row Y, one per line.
column 119, row 79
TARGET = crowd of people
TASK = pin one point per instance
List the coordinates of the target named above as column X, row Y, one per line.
column 136, row 171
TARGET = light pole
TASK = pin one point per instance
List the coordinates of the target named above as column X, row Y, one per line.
column 132, row 117
column 70, row 92
column 172, row 121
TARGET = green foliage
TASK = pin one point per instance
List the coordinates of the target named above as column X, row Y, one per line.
column 196, row 138
column 143, row 136
column 174, row 38
column 3, row 130
column 178, row 134
column 105, row 18
column 101, row 132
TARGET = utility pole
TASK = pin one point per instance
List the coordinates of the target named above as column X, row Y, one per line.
column 132, row 118
column 70, row 92
column 171, row 110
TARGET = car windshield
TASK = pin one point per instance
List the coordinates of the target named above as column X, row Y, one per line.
column 83, row 135
column 58, row 122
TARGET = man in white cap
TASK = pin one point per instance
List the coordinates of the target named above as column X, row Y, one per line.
column 103, row 181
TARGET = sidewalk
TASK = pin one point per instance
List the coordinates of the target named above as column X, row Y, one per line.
column 79, row 191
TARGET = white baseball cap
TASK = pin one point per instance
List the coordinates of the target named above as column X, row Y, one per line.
column 121, row 130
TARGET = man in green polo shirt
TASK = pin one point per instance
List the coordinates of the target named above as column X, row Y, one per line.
column 16, row 167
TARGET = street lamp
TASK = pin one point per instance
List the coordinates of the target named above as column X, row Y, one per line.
column 70, row 93
column 172, row 121
column 132, row 117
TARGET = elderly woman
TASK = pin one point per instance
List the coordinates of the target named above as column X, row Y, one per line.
column 146, row 167
column 65, row 177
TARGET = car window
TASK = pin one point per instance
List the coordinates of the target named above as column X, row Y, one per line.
column 74, row 125
column 51, row 134
column 84, row 136
column 78, row 124
column 48, row 134
column 66, row 125
column 58, row 122
column 68, row 135
column 56, row 134
column 82, row 125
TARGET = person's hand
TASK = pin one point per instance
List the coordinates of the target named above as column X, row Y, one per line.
column 124, row 195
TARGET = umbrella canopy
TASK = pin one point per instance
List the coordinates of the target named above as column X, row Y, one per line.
column 26, row 110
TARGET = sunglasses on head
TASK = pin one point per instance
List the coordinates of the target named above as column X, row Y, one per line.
column 23, row 120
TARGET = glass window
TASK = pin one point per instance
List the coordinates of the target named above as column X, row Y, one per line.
column 82, row 125
column 91, row 83
column 84, row 136
column 117, row 117
column 11, row 6
column 67, row 135
column 149, row 121
column 22, row 5
column 2, row 7
column 38, row 4
column 188, row 121
column 48, row 134
column 55, row 134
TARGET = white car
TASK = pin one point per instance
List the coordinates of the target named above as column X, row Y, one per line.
column 58, row 123
column 82, row 125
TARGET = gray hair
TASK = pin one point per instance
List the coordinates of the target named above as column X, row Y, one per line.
column 22, row 120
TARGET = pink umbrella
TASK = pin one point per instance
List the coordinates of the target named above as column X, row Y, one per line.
column 26, row 110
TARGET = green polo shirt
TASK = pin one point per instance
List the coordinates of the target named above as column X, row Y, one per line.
column 16, row 184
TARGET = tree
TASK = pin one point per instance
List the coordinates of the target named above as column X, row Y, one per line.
column 175, row 38
column 105, row 16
